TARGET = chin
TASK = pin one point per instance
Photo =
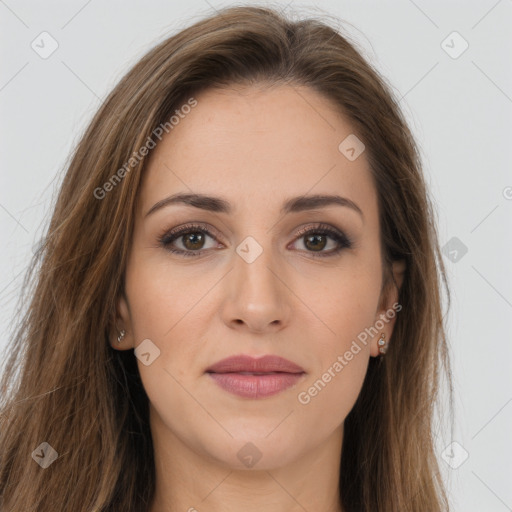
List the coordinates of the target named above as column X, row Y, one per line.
column 259, row 449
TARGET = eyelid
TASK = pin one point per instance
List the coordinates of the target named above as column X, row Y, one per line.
column 191, row 226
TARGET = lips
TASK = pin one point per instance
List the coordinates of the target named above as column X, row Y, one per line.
column 251, row 377
column 248, row 364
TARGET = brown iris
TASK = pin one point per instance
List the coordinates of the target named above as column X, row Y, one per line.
column 193, row 240
column 315, row 245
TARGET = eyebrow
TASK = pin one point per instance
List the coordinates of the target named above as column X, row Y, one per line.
column 219, row 205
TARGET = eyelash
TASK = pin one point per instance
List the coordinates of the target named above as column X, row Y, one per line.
column 166, row 239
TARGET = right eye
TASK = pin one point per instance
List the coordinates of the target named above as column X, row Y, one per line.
column 191, row 237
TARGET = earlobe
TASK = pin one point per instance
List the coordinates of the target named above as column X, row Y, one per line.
column 121, row 338
column 389, row 308
column 382, row 344
column 122, row 334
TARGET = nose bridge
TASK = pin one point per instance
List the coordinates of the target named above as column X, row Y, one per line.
column 256, row 296
column 252, row 266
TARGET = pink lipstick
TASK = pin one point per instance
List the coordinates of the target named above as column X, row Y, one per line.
column 251, row 377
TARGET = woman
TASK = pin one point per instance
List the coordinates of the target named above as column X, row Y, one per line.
column 247, row 212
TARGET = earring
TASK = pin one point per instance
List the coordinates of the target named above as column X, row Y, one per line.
column 121, row 336
column 382, row 343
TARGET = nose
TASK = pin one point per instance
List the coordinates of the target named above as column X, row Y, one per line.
column 257, row 298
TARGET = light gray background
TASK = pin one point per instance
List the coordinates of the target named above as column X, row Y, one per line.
column 460, row 110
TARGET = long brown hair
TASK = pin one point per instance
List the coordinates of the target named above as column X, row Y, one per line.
column 64, row 385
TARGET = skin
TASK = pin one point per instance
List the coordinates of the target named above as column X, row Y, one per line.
column 254, row 147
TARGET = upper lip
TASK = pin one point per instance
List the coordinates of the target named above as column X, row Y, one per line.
column 245, row 363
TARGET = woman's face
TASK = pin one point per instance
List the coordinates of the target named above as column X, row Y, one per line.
column 255, row 273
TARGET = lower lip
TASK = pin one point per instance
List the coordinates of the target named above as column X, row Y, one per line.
column 256, row 386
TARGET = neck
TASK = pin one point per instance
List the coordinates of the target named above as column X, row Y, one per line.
column 187, row 480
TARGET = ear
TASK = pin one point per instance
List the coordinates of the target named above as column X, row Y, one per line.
column 122, row 322
column 388, row 306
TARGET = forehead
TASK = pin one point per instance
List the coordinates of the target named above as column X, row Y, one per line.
column 264, row 143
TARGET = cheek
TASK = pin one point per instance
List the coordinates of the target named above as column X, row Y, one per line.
column 163, row 295
column 329, row 396
column 331, row 390
column 347, row 307
column 162, row 303
column 346, row 301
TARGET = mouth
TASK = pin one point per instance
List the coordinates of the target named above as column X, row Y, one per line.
column 255, row 378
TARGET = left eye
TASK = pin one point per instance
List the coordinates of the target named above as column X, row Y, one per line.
column 315, row 240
